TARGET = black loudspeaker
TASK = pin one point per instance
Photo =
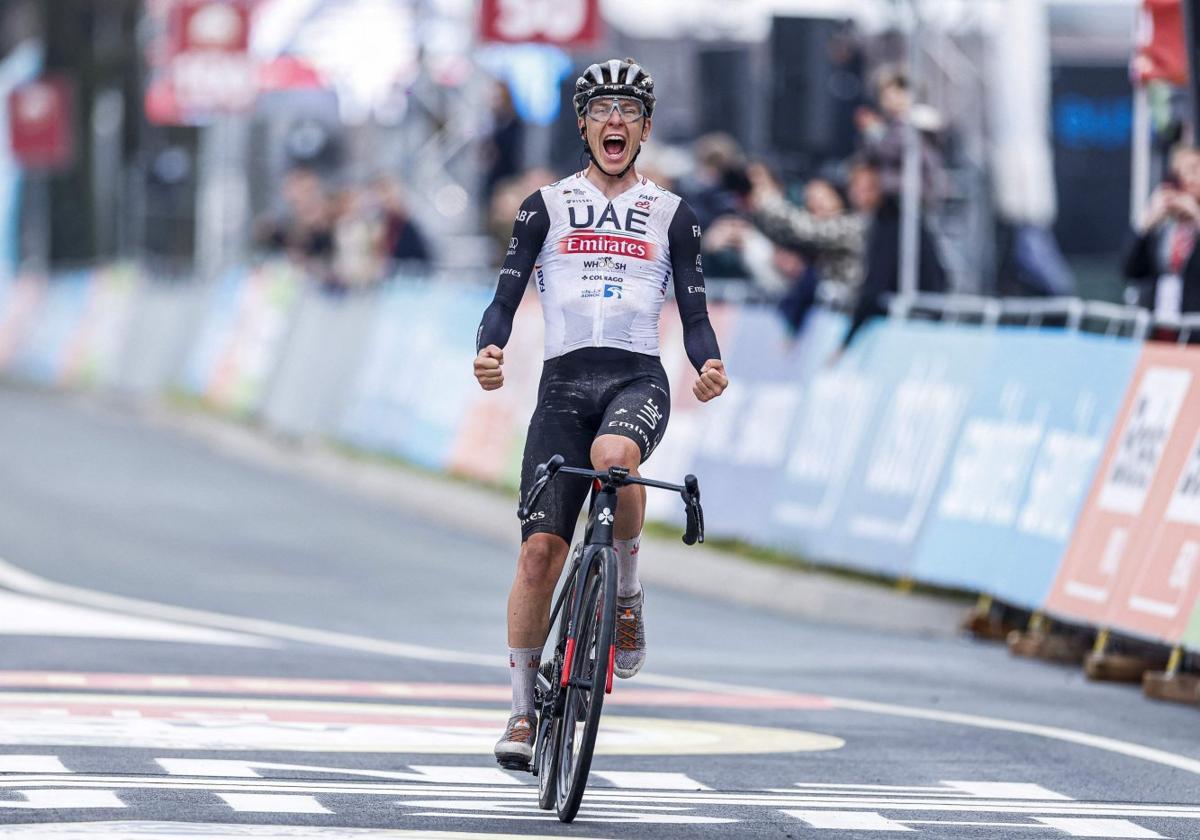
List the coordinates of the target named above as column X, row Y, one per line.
column 722, row 103
column 816, row 83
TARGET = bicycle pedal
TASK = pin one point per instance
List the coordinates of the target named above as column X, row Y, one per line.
column 523, row 766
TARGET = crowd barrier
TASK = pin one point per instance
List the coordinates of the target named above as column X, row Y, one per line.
column 1053, row 469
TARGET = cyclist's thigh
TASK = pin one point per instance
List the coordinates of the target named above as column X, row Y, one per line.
column 564, row 423
column 639, row 409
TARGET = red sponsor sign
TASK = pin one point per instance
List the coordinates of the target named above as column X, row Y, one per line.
column 604, row 243
column 1161, row 52
column 1129, row 564
column 203, row 62
column 565, row 23
column 40, row 116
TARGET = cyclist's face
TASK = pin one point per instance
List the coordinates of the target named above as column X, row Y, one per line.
column 614, row 128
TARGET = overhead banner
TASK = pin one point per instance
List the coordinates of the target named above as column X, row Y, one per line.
column 1030, row 444
column 1138, row 478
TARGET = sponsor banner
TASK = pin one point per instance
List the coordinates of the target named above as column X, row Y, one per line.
column 1155, row 595
column 607, row 243
column 573, row 24
column 1029, row 447
column 95, row 352
column 19, row 305
column 244, row 329
column 872, row 441
column 1137, row 480
column 42, row 353
column 415, row 385
column 746, row 433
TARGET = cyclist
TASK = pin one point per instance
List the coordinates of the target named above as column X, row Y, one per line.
column 602, row 245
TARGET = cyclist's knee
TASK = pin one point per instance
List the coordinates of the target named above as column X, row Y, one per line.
column 615, row 451
column 541, row 560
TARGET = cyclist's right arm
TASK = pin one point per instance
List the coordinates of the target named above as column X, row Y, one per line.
column 529, row 234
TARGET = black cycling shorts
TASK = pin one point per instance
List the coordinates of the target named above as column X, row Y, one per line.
column 584, row 394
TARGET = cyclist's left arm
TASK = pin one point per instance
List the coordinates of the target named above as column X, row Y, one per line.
column 699, row 340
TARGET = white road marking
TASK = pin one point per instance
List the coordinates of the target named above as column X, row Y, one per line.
column 155, row 830
column 848, row 820
column 649, row 781
column 270, row 803
column 23, row 615
column 1098, row 828
column 31, row 764
column 208, row 767
column 17, row 579
column 64, row 799
column 1005, row 790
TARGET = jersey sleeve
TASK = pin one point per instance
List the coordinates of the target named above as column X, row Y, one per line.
column 683, row 236
column 529, row 234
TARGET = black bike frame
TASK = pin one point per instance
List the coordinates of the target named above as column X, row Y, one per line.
column 598, row 533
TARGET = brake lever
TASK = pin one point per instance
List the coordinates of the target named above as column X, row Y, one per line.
column 695, row 513
column 542, row 476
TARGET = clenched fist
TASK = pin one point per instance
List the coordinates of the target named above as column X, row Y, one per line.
column 712, row 381
column 487, row 367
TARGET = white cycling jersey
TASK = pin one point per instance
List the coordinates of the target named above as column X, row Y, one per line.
column 602, row 268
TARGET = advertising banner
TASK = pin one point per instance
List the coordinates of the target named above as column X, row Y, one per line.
column 415, row 383
column 41, row 120
column 898, row 414
column 95, row 352
column 1158, row 582
column 1030, row 445
column 1137, row 477
column 42, row 354
column 746, row 432
column 242, row 334
column 573, row 24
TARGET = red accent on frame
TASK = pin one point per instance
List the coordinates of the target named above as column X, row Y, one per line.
column 612, row 666
column 566, row 672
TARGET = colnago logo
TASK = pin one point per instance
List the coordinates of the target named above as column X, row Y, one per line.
column 599, row 243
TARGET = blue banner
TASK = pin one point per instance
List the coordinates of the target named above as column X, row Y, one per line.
column 871, row 447
column 1030, row 445
column 747, row 430
column 44, row 349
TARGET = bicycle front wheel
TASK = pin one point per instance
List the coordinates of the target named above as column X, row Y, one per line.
column 588, row 679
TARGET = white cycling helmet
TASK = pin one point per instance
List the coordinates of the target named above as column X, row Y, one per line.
column 615, row 77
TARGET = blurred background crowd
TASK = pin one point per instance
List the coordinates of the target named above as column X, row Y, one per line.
column 834, row 151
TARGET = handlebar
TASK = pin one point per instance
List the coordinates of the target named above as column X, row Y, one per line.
column 616, row 477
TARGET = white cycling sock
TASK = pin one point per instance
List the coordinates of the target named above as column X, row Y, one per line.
column 523, row 666
column 628, row 584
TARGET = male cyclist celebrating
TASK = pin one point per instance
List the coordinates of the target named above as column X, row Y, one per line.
column 604, row 244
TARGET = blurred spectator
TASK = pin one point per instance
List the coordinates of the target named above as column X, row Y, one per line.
column 305, row 229
column 1162, row 262
column 820, row 242
column 502, row 150
column 357, row 239
column 402, row 241
column 714, row 188
column 822, row 229
column 880, row 183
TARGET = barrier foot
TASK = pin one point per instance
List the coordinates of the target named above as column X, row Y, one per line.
column 1172, row 687
column 1051, row 647
column 986, row 621
column 1118, row 667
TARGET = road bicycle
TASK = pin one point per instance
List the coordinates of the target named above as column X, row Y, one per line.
column 571, row 685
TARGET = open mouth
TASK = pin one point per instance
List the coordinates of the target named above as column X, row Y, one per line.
column 614, row 147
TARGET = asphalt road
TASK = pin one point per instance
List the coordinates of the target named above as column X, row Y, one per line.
column 194, row 644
